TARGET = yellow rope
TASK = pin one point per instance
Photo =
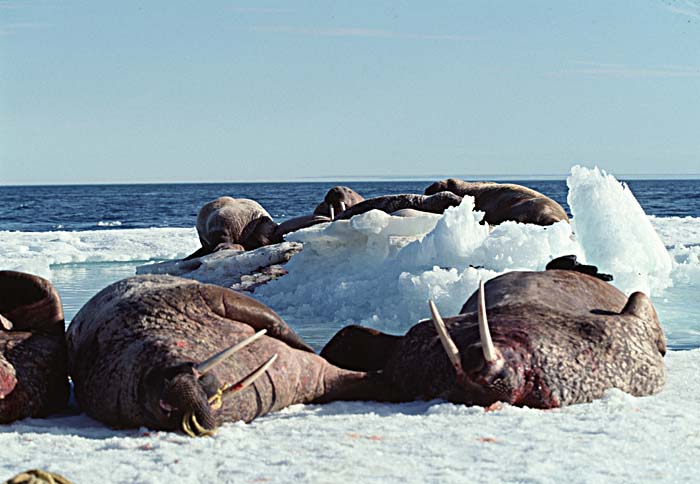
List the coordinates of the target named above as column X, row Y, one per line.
column 36, row 476
column 198, row 430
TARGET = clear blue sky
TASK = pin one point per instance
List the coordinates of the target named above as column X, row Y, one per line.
column 233, row 91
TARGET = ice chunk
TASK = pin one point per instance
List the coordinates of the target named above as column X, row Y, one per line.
column 615, row 233
column 380, row 270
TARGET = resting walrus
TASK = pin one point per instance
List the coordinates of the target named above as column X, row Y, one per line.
column 436, row 203
column 139, row 355
column 338, row 199
column 33, row 375
column 504, row 201
column 551, row 338
column 233, row 223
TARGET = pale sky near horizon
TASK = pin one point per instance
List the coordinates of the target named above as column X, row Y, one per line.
column 234, row 91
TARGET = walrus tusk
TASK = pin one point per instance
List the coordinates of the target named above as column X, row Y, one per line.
column 248, row 380
column 342, row 206
column 332, row 212
column 210, row 363
column 5, row 323
column 189, row 420
column 445, row 339
column 490, row 353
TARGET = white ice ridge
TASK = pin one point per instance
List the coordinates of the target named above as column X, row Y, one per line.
column 615, row 233
column 379, row 269
column 36, row 252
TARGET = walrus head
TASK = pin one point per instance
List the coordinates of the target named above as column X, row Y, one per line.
column 485, row 373
column 186, row 396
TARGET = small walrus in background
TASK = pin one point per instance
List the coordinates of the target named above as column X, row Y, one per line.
column 33, row 374
column 233, row 223
column 338, row 199
column 504, row 201
column 174, row 354
column 550, row 339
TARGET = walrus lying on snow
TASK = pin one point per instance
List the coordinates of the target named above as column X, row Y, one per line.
column 33, row 375
column 540, row 339
column 140, row 354
column 504, row 201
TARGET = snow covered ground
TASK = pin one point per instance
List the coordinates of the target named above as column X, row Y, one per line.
column 617, row 439
column 380, row 270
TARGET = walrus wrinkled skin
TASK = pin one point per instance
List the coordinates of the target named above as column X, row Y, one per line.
column 233, row 223
column 436, row 203
column 135, row 353
column 339, row 198
column 559, row 338
column 504, row 201
column 33, row 373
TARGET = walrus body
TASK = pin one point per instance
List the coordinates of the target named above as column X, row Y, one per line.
column 560, row 338
column 297, row 223
column 134, row 350
column 230, row 223
column 33, row 374
column 339, row 199
column 504, row 201
column 436, row 203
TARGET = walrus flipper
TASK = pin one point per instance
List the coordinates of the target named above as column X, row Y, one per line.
column 238, row 307
column 360, row 348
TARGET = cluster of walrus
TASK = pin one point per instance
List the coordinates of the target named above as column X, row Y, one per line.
column 174, row 354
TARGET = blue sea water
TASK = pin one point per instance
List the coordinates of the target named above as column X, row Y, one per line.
column 84, row 209
column 95, row 207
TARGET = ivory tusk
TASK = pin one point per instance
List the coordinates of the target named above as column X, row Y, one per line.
column 330, row 207
column 250, row 379
column 490, row 353
column 445, row 339
column 210, row 363
column 342, row 206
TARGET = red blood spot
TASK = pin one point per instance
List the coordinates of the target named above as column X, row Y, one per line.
column 487, row 439
column 494, row 407
column 146, row 446
column 180, row 344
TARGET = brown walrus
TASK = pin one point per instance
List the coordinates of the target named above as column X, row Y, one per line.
column 551, row 338
column 504, row 201
column 338, row 199
column 436, row 203
column 233, row 223
column 139, row 355
column 297, row 223
column 33, row 374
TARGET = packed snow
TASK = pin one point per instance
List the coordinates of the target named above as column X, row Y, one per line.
column 616, row 439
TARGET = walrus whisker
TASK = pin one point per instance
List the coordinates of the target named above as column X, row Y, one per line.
column 248, row 380
column 332, row 212
column 490, row 353
column 211, row 362
column 445, row 339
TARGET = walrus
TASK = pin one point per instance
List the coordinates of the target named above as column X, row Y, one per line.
column 297, row 223
column 436, row 203
column 535, row 339
column 233, row 223
column 504, row 201
column 33, row 372
column 338, row 199
column 140, row 354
